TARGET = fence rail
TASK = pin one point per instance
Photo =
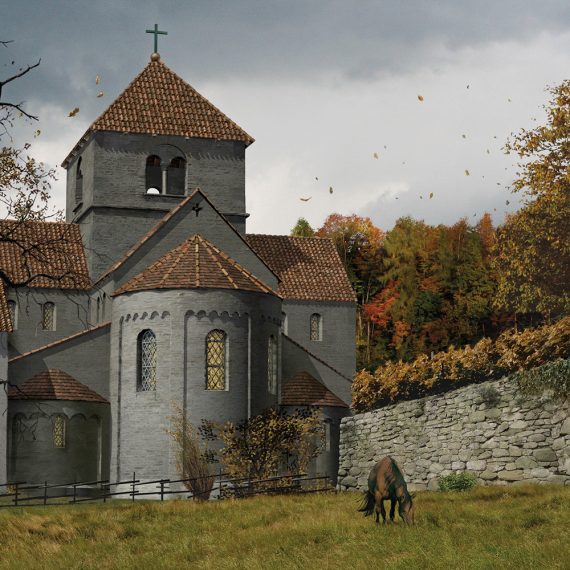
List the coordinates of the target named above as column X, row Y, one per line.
column 20, row 494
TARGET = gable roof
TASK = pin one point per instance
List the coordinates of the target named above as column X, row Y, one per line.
column 43, row 254
column 303, row 389
column 159, row 102
column 194, row 264
column 54, row 384
column 309, row 267
column 164, row 221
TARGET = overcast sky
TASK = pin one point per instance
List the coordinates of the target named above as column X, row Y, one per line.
column 322, row 85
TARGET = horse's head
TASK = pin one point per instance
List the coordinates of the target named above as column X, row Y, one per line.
column 407, row 510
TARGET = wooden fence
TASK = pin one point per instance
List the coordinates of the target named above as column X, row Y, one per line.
column 20, row 494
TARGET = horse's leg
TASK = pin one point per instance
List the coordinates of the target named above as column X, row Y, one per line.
column 383, row 511
column 377, row 510
column 392, row 509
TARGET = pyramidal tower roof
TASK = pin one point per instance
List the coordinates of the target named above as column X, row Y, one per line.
column 195, row 264
column 159, row 102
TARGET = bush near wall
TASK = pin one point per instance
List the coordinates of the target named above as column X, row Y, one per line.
column 487, row 360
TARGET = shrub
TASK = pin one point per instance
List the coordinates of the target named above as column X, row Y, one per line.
column 457, row 482
column 486, row 360
column 553, row 376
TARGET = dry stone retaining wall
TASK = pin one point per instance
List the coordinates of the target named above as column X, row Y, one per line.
column 489, row 429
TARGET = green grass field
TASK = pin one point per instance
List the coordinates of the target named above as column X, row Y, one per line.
column 491, row 527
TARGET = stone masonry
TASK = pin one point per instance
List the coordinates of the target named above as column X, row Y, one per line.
column 489, row 429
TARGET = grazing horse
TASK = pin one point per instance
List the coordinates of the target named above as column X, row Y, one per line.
column 387, row 482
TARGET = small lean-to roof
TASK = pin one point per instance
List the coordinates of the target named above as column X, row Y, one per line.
column 303, row 389
column 194, row 264
column 159, row 102
column 54, row 384
column 309, row 267
column 43, row 254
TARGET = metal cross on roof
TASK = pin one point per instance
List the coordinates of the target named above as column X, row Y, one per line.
column 156, row 33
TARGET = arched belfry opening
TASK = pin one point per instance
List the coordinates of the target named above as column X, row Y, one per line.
column 177, row 176
column 153, row 175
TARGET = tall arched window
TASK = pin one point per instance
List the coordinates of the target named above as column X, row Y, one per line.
column 216, row 341
column 153, row 175
column 78, row 182
column 59, row 431
column 272, row 365
column 177, row 176
column 13, row 308
column 146, row 356
column 48, row 316
column 316, row 327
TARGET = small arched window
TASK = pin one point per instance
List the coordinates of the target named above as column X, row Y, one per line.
column 59, row 431
column 146, row 357
column 177, row 176
column 13, row 308
column 153, row 175
column 78, row 182
column 272, row 365
column 48, row 316
column 316, row 327
column 216, row 360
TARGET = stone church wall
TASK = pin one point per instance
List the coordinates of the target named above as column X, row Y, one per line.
column 3, row 407
column 488, row 429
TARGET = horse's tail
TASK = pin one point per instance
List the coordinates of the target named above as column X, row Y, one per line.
column 368, row 503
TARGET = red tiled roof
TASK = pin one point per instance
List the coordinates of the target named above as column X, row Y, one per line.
column 6, row 324
column 195, row 264
column 43, row 254
column 305, row 390
column 53, row 384
column 159, row 102
column 309, row 268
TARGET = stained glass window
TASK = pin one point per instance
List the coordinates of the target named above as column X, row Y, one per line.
column 272, row 365
column 13, row 308
column 147, row 361
column 59, row 431
column 216, row 360
column 48, row 316
column 316, row 324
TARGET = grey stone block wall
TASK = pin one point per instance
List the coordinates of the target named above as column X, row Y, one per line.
column 488, row 429
column 181, row 320
column 71, row 316
column 3, row 407
column 338, row 331
column 33, row 455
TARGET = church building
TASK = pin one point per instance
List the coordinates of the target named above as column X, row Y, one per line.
column 152, row 293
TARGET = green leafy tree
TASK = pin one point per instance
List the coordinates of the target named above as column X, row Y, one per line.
column 532, row 251
column 302, row 229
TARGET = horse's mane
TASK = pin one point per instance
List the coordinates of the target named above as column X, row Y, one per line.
column 398, row 476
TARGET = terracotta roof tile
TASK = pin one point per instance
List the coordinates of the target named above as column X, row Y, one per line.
column 6, row 324
column 195, row 264
column 53, row 384
column 305, row 390
column 43, row 254
column 159, row 102
column 309, row 268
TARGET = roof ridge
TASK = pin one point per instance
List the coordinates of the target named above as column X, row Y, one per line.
column 59, row 341
column 217, row 262
column 317, row 358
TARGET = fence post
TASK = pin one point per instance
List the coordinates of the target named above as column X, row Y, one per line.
column 74, row 492
column 45, row 492
column 162, row 490
column 134, row 482
column 220, row 483
column 16, row 494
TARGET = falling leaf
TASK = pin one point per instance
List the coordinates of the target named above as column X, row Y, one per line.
column 467, row 86
column 316, row 177
column 385, row 147
column 474, row 215
column 330, row 189
column 376, row 155
column 430, row 195
column 20, row 115
column 421, row 197
column 466, row 172
column 305, row 199
column 507, row 202
column 488, row 151
column 464, row 136
column 509, row 100
column 420, row 97
column 100, row 94
column 404, row 162
column 74, row 112
column 498, row 183
column 97, row 80
column 494, row 209
column 397, row 198
column 37, row 133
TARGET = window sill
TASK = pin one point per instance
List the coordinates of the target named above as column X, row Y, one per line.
column 78, row 207
column 158, row 196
